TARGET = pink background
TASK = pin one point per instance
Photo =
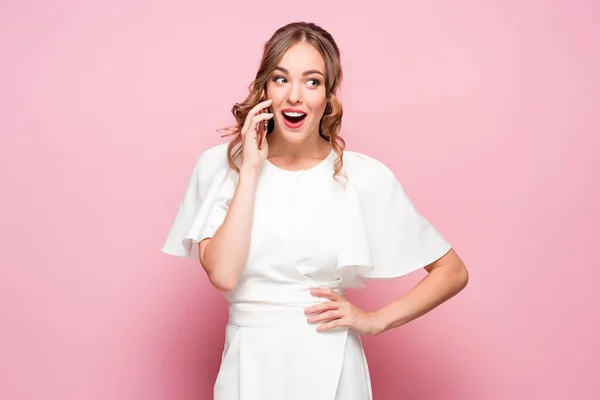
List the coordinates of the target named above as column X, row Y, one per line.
column 486, row 110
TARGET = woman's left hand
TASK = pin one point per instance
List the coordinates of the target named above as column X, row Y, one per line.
column 339, row 312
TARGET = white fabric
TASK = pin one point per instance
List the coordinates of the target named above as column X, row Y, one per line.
column 308, row 231
column 204, row 204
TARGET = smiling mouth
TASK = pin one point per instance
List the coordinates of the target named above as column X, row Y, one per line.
column 294, row 118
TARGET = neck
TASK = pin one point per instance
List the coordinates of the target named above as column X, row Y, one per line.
column 313, row 147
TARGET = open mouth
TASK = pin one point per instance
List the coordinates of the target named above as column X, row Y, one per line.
column 294, row 117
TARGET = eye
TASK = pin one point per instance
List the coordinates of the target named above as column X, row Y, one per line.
column 315, row 82
column 279, row 79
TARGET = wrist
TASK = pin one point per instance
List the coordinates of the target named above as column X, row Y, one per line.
column 249, row 173
column 380, row 322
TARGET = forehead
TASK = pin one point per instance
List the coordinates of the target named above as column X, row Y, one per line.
column 301, row 57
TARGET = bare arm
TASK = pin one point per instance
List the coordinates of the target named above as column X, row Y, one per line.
column 224, row 255
column 447, row 277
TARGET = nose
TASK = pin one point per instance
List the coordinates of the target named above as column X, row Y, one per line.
column 295, row 93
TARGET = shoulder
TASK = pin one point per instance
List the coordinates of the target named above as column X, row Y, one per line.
column 366, row 169
column 375, row 183
column 211, row 160
column 213, row 155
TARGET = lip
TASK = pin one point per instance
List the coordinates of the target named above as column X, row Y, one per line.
column 288, row 123
column 294, row 110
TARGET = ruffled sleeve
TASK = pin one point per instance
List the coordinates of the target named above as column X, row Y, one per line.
column 383, row 235
column 204, row 205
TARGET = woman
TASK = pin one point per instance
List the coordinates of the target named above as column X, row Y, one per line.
column 286, row 224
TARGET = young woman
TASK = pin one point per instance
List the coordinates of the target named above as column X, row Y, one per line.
column 285, row 220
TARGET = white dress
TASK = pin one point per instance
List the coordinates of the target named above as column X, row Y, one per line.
column 308, row 231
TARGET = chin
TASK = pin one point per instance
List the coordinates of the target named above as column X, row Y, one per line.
column 294, row 137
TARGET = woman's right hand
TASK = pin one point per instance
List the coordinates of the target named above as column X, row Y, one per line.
column 252, row 157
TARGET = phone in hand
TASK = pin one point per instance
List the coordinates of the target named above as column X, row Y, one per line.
column 262, row 131
column 263, row 126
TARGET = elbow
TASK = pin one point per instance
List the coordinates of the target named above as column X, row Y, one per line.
column 457, row 274
column 223, row 283
column 462, row 277
column 224, row 286
column 459, row 271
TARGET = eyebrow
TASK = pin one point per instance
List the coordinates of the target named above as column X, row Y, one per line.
column 310, row 71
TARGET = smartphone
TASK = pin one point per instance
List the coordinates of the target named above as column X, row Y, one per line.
column 262, row 127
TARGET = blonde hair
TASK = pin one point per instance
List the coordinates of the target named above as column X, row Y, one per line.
column 274, row 50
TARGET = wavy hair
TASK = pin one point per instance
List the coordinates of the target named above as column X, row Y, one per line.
column 274, row 50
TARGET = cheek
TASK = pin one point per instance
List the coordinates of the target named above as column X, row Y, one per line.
column 320, row 109
column 318, row 103
column 275, row 93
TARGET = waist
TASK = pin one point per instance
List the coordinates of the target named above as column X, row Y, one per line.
column 267, row 315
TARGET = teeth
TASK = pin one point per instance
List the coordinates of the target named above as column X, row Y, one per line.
column 293, row 114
